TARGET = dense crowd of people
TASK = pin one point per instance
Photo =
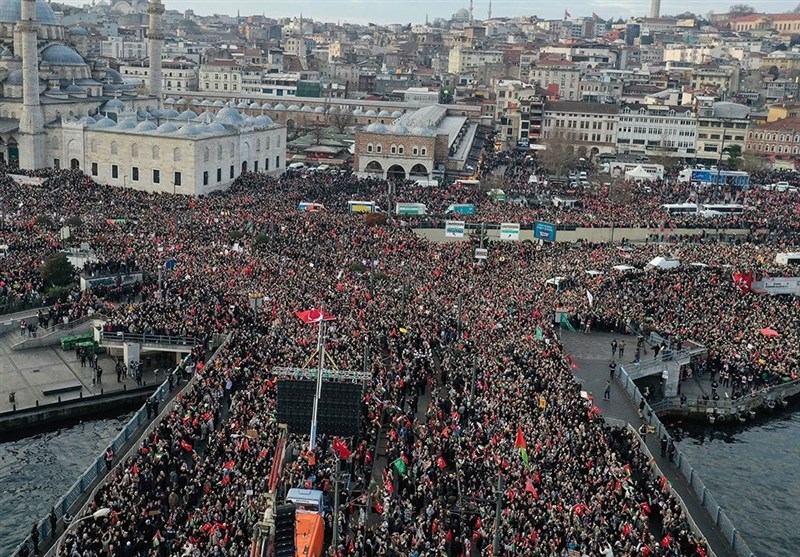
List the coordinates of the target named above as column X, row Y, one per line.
column 197, row 484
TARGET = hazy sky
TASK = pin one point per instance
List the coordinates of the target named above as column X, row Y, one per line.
column 414, row 11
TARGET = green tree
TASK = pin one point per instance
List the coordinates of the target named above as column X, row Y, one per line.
column 57, row 270
column 741, row 9
column 734, row 157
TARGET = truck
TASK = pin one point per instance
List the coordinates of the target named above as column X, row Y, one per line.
column 410, row 209
column 461, row 209
column 361, row 206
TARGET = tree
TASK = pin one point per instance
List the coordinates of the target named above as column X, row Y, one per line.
column 342, row 119
column 734, row 157
column 752, row 163
column 57, row 270
column 796, row 9
column 741, row 9
column 559, row 153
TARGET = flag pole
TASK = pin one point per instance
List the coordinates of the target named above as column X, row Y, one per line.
column 318, row 392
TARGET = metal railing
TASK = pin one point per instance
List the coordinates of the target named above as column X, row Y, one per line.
column 109, row 337
column 98, row 468
column 715, row 511
column 59, row 328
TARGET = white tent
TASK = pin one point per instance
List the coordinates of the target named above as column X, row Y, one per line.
column 555, row 281
column 698, row 264
column 624, row 268
column 638, row 173
column 663, row 263
column 594, row 272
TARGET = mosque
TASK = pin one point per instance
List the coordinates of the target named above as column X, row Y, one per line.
column 58, row 109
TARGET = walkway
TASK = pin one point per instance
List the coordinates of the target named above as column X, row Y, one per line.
column 592, row 354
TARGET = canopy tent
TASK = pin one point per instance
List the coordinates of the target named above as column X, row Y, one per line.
column 639, row 173
column 624, row 268
column 594, row 272
column 697, row 264
column 770, row 333
column 663, row 263
column 555, row 281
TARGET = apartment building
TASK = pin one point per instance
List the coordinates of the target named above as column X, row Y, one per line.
column 464, row 60
column 720, row 126
column 177, row 75
column 589, row 125
column 780, row 139
column 220, row 75
column 657, row 130
column 561, row 78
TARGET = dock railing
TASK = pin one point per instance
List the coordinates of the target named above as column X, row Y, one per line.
column 715, row 511
column 97, row 469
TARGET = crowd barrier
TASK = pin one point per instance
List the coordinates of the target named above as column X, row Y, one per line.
column 715, row 511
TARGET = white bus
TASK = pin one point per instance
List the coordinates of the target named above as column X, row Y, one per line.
column 681, row 208
column 725, row 210
column 789, row 258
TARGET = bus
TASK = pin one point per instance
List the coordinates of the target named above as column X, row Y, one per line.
column 461, row 209
column 716, row 177
column 680, row 208
column 725, row 210
column 361, row 206
column 468, row 183
column 788, row 258
column 308, row 207
column 410, row 209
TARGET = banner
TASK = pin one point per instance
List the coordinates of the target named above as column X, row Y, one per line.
column 509, row 231
column 544, row 231
column 454, row 229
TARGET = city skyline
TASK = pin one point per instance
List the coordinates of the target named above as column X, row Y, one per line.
column 415, row 11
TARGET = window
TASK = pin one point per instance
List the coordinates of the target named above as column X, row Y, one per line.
column 369, row 147
column 266, row 143
column 378, row 148
column 231, row 171
column 205, row 178
column 415, row 151
column 93, row 146
column 266, row 165
column 94, row 169
column 278, row 161
column 113, row 147
column 219, row 175
column 134, row 150
column 219, row 152
column 206, row 154
column 176, row 154
column 177, row 179
column 135, row 174
column 156, row 176
column 56, row 164
column 156, row 152
column 114, row 171
column 423, row 151
column 255, row 166
column 401, row 149
column 393, row 149
column 258, row 145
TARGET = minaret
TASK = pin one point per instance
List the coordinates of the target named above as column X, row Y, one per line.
column 490, row 9
column 32, row 138
column 655, row 9
column 470, row 12
column 155, row 36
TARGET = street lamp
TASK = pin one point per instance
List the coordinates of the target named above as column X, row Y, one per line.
column 99, row 513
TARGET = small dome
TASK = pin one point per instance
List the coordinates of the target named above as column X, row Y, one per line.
column 215, row 128
column 266, row 106
column 332, row 110
column 114, row 105
column 87, row 120
column 263, row 121
column 73, row 89
column 279, row 106
column 113, row 76
column 376, row 128
column 423, row 131
column 105, row 122
column 384, row 114
column 242, row 104
column 194, row 102
column 358, row 112
column 371, row 113
column 61, row 55
column 126, row 124
column 167, row 127
column 181, row 101
column 169, row 100
column 206, row 117
column 14, row 78
column 219, row 103
column 229, row 116
column 400, row 129
column 146, row 126
column 306, row 108
column 77, row 31
column 255, row 105
column 205, row 102
column 293, row 107
column 397, row 114
column 171, row 114
column 155, row 113
column 6, row 53
column 187, row 115
column 191, row 130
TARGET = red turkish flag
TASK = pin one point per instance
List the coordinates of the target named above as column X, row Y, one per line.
column 314, row 316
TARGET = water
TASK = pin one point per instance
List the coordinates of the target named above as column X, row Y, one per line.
column 753, row 472
column 36, row 471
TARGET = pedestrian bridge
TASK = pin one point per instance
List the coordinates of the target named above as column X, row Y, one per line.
column 154, row 343
column 666, row 360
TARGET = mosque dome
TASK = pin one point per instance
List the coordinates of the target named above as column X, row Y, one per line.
column 7, row 53
column 293, row 107
column 146, row 126
column 114, row 105
column 319, row 110
column 255, row 105
column 14, row 77
column 61, row 55
column 229, row 116
column 126, row 124
column 384, row 114
column 242, row 104
column 10, row 12
column 187, row 115
column 206, row 102
column 171, row 113
column 370, row 113
column 167, row 127
column 306, row 108
column 280, row 106
column 396, row 114
column 263, row 121
column 105, row 122
column 218, row 103
column 215, row 128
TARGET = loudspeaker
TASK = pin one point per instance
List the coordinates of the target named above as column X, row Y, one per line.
column 339, row 410
column 285, row 530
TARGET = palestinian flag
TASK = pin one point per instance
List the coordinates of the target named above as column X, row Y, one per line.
column 520, row 445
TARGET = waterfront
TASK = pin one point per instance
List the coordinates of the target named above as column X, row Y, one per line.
column 753, row 471
column 36, row 471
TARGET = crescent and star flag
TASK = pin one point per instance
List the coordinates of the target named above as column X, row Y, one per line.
column 314, row 316
column 743, row 281
column 567, row 14
column 340, row 448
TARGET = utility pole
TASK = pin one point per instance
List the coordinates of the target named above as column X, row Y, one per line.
column 498, row 510
column 336, row 504
column 460, row 304
column 474, row 378
column 366, row 354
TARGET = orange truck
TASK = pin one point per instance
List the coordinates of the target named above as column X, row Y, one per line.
column 309, row 534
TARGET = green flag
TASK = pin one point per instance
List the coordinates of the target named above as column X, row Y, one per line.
column 400, row 466
column 523, row 452
column 539, row 333
column 565, row 323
